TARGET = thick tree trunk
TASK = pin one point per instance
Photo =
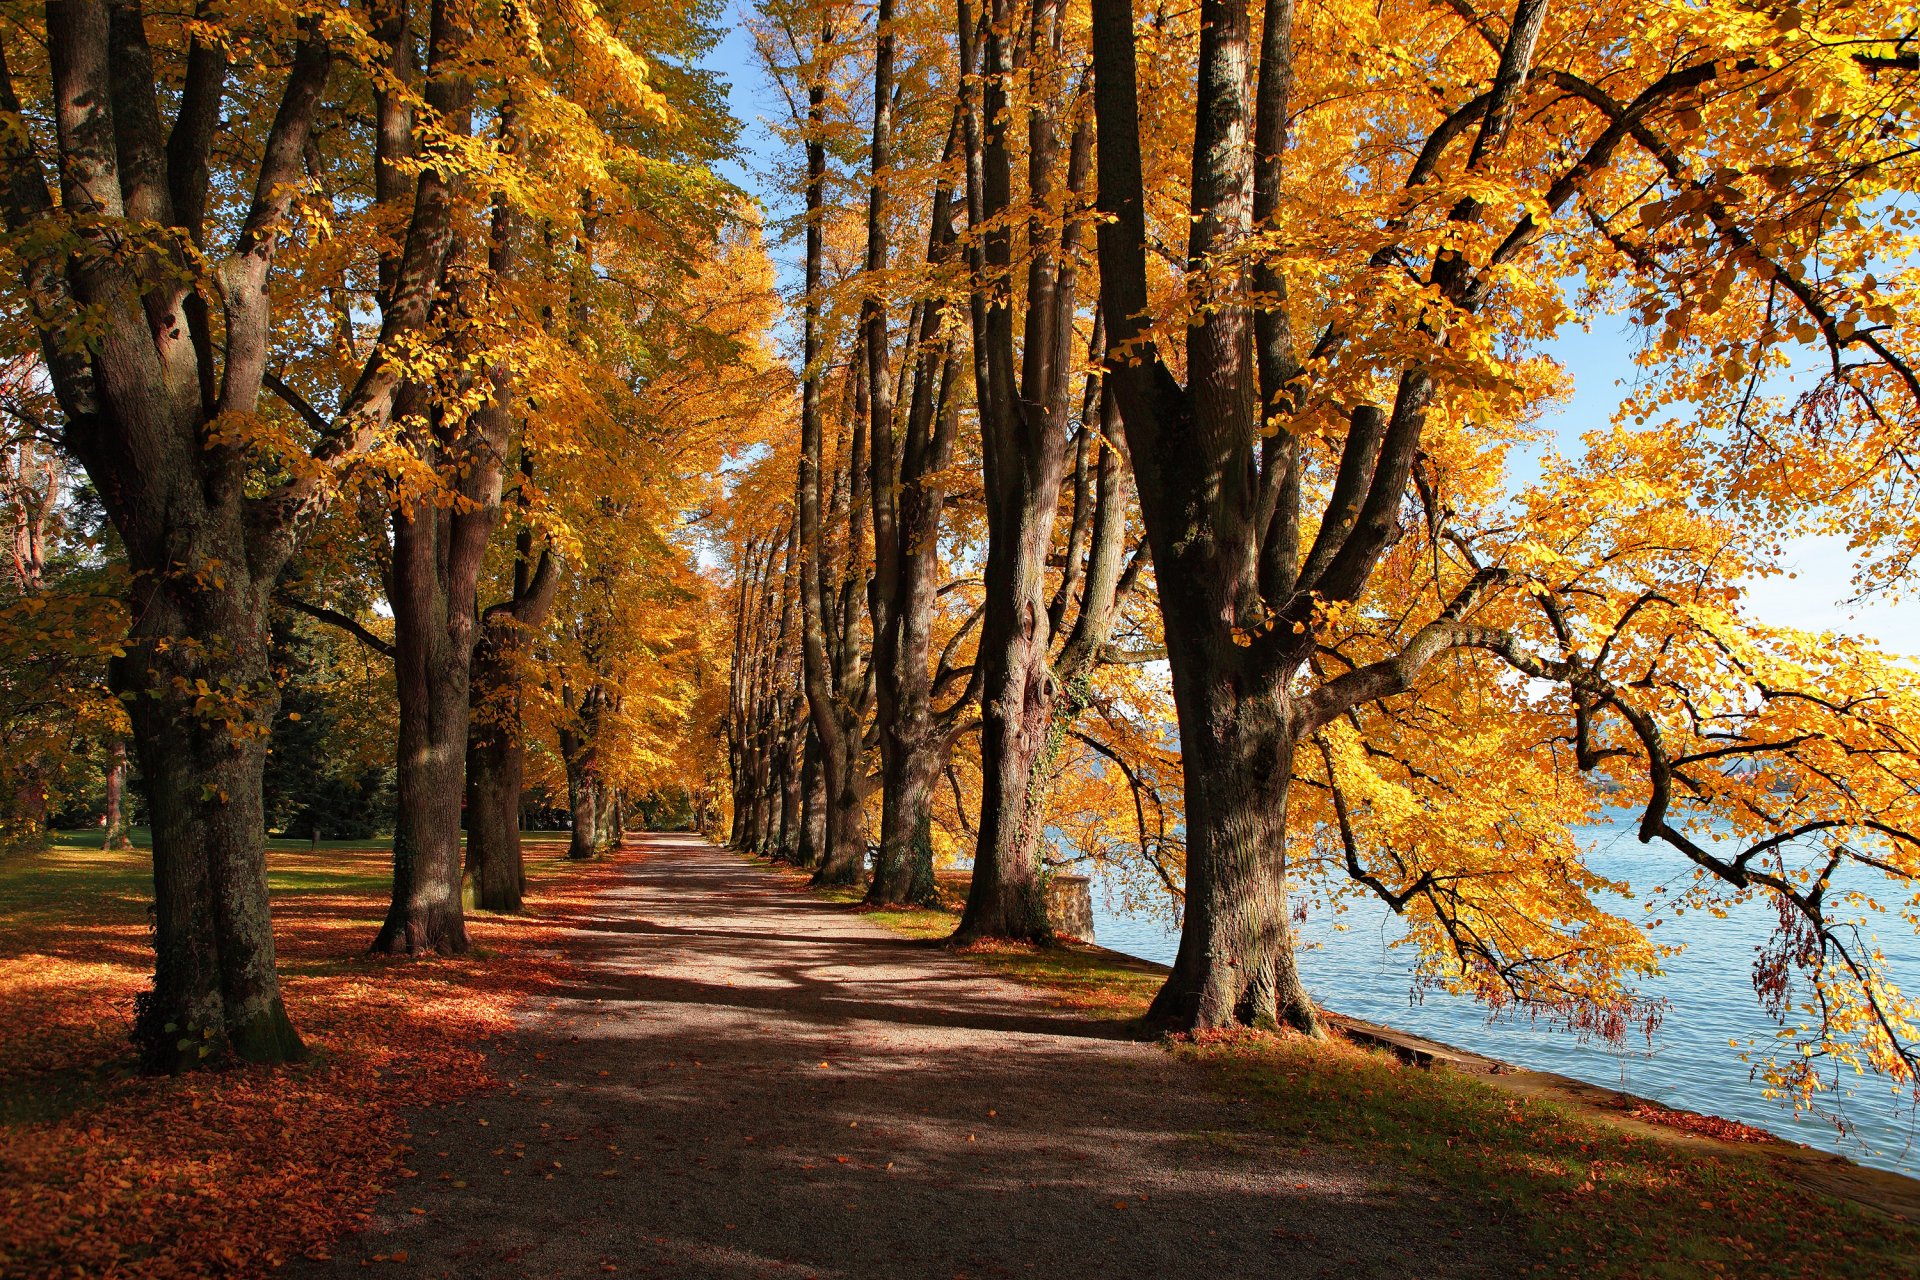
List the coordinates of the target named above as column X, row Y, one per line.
column 610, row 818
column 760, row 711
column 772, row 833
column 761, row 814
column 1017, row 744
column 496, row 746
column 1039, row 701
column 1019, row 735
column 115, row 835
column 792, row 797
column 1235, row 964
column 831, row 662
column 914, row 740
column 141, row 389
column 433, row 653
column 903, row 867
column 845, row 859
column 438, row 549
column 1210, row 497
column 1023, row 434
column 495, row 765
column 909, row 509
column 215, row 988
column 495, row 863
column 900, row 598
column 582, row 800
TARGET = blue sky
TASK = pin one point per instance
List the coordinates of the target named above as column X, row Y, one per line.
column 1817, row 598
column 751, row 99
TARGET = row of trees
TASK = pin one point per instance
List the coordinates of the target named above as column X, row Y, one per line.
column 1137, row 333
column 418, row 322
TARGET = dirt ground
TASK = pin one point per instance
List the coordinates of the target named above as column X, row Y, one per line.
column 753, row 1082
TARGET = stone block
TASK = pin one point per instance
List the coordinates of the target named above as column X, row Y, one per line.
column 1070, row 907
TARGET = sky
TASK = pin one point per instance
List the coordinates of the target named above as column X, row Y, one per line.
column 1816, row 598
column 753, row 102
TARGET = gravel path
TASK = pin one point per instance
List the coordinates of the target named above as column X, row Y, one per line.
column 756, row 1083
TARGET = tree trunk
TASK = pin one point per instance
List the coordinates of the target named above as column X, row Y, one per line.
column 495, row 765
column 760, row 814
column 141, row 390
column 1235, row 964
column 433, row 653
column 785, row 698
column 214, row 987
column 903, row 868
column 845, row 860
column 495, row 863
column 115, row 836
column 813, row 805
column 792, row 796
column 1209, row 496
column 1006, row 898
column 834, row 684
column 610, row 818
column 771, row 831
column 909, row 499
column 439, row 545
column 496, row 747
column 583, row 776
column 1024, row 411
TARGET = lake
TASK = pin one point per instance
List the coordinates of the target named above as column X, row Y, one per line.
column 1351, row 968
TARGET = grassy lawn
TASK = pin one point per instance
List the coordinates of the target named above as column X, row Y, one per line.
column 107, row 1173
column 1587, row 1195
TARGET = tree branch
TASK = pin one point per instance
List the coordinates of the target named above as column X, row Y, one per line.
column 334, row 618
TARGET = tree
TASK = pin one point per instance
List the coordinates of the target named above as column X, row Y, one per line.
column 121, row 270
column 152, row 274
column 834, row 658
column 628, row 644
column 541, row 252
column 764, row 722
column 1310, row 655
column 496, row 736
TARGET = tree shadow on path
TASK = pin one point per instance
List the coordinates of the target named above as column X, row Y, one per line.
column 752, row 1082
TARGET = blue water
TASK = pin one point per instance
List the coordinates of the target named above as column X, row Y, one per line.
column 1351, row 967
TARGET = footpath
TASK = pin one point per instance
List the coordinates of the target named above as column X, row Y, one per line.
column 750, row 1082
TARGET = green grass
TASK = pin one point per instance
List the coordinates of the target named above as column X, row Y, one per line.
column 23, row 873
column 1582, row 1195
column 49, row 888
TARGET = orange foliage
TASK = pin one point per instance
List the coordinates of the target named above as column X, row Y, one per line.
column 105, row 1173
